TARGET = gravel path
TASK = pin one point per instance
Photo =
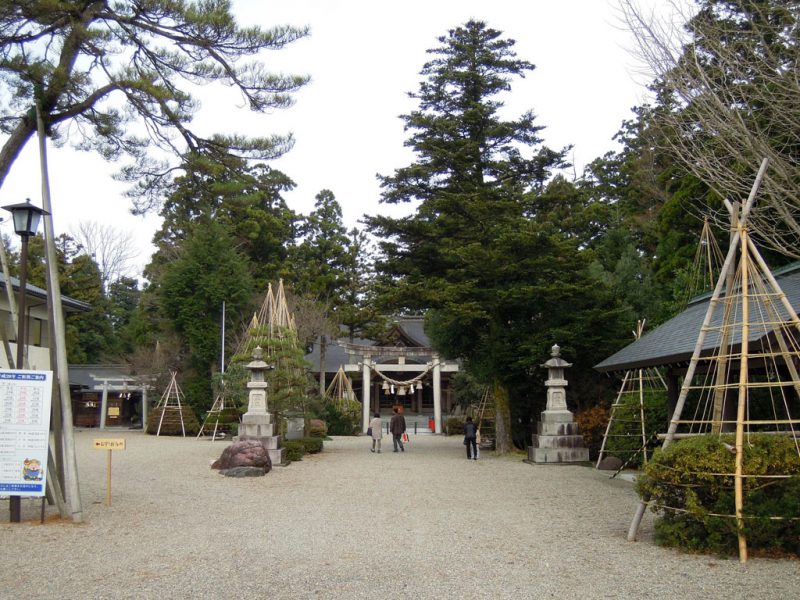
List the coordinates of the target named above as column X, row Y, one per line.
column 347, row 523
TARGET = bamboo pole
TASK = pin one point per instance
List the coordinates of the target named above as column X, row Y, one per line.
column 611, row 418
column 57, row 318
column 641, row 416
column 698, row 347
column 732, row 250
column 722, row 364
column 740, row 413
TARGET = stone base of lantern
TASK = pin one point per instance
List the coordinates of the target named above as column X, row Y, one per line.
column 557, row 439
column 260, row 428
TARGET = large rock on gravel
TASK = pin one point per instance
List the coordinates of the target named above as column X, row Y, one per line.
column 243, row 472
column 244, row 453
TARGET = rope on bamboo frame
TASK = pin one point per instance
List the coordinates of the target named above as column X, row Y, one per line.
column 750, row 517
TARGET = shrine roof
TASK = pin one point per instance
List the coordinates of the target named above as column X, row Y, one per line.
column 673, row 342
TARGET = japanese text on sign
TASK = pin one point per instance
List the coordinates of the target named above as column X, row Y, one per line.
column 24, row 431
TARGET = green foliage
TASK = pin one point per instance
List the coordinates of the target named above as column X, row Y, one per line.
column 169, row 420
column 467, row 389
column 454, row 426
column 119, row 77
column 247, row 200
column 695, row 476
column 496, row 257
column 296, row 449
column 625, row 435
column 89, row 335
column 191, row 291
column 312, row 445
column 288, row 379
column 341, row 422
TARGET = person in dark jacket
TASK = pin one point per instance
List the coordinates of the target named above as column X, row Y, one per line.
column 470, row 439
column 398, row 427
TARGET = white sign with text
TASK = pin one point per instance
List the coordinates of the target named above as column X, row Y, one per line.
column 25, row 398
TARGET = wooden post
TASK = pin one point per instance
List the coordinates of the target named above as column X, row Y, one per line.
column 108, row 477
column 104, row 406
column 437, row 394
column 365, row 393
column 740, row 414
column 641, row 416
column 144, row 408
column 57, row 316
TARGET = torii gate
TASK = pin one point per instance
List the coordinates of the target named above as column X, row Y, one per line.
column 436, row 365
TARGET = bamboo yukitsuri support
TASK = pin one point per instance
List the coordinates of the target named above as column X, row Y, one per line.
column 172, row 394
column 217, row 409
column 65, row 456
column 633, row 385
column 752, row 317
column 340, row 391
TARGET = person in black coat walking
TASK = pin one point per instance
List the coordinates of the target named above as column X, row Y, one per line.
column 397, row 425
column 470, row 439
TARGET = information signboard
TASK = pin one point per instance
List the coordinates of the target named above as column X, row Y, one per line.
column 25, row 398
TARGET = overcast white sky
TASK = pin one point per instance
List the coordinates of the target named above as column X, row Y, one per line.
column 363, row 57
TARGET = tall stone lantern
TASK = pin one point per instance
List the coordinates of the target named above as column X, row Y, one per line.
column 557, row 438
column 257, row 421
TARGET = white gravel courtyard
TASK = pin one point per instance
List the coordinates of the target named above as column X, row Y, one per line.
column 348, row 523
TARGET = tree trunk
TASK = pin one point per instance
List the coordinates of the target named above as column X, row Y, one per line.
column 323, row 348
column 14, row 145
column 502, row 423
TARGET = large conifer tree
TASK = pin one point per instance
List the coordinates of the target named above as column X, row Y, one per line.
column 471, row 173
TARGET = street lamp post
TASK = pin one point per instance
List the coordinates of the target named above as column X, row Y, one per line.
column 26, row 219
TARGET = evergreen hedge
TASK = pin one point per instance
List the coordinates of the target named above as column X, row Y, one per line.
column 691, row 483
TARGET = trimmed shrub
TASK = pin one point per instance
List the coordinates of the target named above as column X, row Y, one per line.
column 691, row 484
column 312, row 445
column 294, row 450
column 340, row 423
column 592, row 423
column 454, row 426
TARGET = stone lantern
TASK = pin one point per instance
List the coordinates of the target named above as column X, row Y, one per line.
column 557, row 438
column 257, row 422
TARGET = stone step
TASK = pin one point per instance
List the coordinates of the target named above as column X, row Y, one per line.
column 557, row 455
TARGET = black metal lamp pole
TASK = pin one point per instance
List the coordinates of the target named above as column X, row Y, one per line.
column 26, row 221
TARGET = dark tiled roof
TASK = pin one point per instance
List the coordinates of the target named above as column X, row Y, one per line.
column 674, row 341
column 336, row 355
column 88, row 376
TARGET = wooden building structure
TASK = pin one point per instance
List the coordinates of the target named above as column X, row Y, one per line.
column 107, row 396
column 38, row 330
column 399, row 370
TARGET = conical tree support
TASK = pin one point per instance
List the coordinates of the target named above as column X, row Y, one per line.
column 171, row 400
column 752, row 317
column 634, row 385
column 340, row 391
